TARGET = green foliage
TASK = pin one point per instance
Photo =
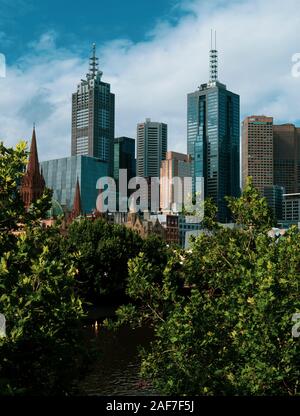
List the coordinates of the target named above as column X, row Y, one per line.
column 40, row 352
column 251, row 210
column 104, row 252
column 222, row 312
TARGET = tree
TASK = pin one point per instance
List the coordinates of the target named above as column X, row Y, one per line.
column 222, row 313
column 104, row 252
column 40, row 352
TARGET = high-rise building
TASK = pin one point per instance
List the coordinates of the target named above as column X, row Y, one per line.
column 175, row 165
column 93, row 117
column 274, row 196
column 152, row 140
column 213, row 137
column 124, row 156
column 287, row 157
column 33, row 183
column 291, row 207
column 67, row 174
column 257, row 151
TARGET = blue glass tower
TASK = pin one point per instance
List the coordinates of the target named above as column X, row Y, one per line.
column 62, row 174
column 213, row 139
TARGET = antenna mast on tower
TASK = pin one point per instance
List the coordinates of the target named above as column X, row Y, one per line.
column 213, row 59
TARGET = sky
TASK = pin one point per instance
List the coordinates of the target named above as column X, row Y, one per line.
column 152, row 52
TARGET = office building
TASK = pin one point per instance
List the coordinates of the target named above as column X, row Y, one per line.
column 93, row 117
column 124, row 156
column 257, row 151
column 291, row 208
column 287, row 157
column 61, row 175
column 152, row 141
column 176, row 165
column 213, row 137
column 274, row 196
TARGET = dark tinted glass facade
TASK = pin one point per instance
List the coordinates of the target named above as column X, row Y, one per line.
column 124, row 156
column 213, row 141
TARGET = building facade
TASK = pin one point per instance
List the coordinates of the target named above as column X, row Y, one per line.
column 176, row 165
column 152, row 141
column 287, row 157
column 124, row 156
column 274, row 196
column 93, row 117
column 291, row 208
column 61, row 176
column 257, row 151
column 213, row 139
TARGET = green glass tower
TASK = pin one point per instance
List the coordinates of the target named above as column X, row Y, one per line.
column 213, row 139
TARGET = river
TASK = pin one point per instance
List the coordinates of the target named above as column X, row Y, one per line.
column 115, row 367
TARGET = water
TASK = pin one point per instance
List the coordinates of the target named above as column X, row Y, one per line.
column 115, row 370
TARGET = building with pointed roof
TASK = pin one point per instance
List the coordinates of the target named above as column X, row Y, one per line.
column 213, row 138
column 33, row 183
column 76, row 211
column 93, row 116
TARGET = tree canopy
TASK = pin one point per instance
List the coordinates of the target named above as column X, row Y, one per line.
column 222, row 311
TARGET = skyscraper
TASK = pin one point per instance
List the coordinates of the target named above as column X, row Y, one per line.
column 124, row 156
column 152, row 140
column 33, row 183
column 287, row 157
column 175, row 165
column 257, row 151
column 93, row 116
column 213, row 136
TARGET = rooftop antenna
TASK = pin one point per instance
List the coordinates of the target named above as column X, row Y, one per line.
column 213, row 59
column 93, row 62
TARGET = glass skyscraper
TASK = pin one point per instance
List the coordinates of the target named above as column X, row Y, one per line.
column 124, row 156
column 93, row 117
column 213, row 139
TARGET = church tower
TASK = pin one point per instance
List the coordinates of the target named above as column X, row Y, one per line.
column 33, row 183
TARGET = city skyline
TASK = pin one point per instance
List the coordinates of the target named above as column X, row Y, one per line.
column 44, row 75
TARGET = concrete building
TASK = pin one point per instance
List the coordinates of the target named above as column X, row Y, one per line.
column 257, row 151
column 291, row 208
column 93, row 117
column 152, row 141
column 176, row 165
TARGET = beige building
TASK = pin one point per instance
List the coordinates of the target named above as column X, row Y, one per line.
column 175, row 165
column 257, row 151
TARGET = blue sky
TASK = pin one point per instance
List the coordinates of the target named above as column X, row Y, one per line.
column 153, row 52
column 77, row 23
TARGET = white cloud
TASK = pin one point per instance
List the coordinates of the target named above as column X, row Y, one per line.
column 256, row 41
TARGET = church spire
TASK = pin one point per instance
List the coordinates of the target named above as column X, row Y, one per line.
column 77, row 200
column 33, row 163
column 76, row 211
column 33, row 183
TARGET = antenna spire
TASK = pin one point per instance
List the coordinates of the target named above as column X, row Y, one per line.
column 93, row 62
column 213, row 59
